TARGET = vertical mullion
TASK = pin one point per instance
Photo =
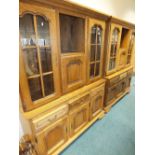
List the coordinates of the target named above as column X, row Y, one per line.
column 39, row 58
column 95, row 53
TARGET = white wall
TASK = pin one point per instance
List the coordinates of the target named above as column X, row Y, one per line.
column 123, row 9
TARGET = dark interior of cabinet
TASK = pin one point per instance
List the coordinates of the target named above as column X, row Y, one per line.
column 72, row 33
column 124, row 37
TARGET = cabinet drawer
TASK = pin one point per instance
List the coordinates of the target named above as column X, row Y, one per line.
column 114, row 80
column 50, row 117
column 98, row 90
column 78, row 101
column 124, row 75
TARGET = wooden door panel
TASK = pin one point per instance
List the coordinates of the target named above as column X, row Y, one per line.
column 53, row 137
column 73, row 72
column 96, row 105
column 79, row 119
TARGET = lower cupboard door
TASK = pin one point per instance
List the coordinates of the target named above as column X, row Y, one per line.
column 96, row 105
column 52, row 137
column 78, row 119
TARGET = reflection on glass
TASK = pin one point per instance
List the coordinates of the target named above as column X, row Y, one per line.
column 99, row 35
column 31, row 61
column 98, row 55
column 92, row 53
column 113, row 49
column 35, row 88
column 112, row 64
column 26, row 25
column 43, row 31
column 115, row 35
column 48, row 84
column 93, row 34
column 97, row 69
column 46, row 58
column 92, row 68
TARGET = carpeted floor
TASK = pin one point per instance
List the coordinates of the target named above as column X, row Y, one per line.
column 113, row 135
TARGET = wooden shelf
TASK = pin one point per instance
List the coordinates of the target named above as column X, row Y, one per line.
column 29, row 47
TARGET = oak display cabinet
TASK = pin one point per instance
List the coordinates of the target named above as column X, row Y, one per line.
column 74, row 64
column 61, row 72
column 120, row 48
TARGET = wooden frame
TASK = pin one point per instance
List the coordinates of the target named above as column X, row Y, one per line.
column 25, row 94
column 91, row 23
column 112, row 27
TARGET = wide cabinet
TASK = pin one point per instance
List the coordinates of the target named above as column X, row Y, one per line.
column 61, row 69
column 75, row 63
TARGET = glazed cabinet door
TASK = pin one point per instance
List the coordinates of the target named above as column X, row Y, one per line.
column 95, row 49
column 52, row 137
column 39, row 74
column 79, row 118
column 131, row 48
column 113, row 47
column 96, row 104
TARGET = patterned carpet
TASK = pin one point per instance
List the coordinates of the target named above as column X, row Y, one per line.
column 113, row 135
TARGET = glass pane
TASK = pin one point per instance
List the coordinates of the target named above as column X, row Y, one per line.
column 35, row 88
column 31, row 61
column 43, row 31
column 113, row 50
column 72, row 33
column 115, row 35
column 92, row 54
column 93, row 34
column 99, row 35
column 26, row 26
column 48, row 84
column 92, row 67
column 112, row 64
column 97, row 71
column 98, row 55
column 46, row 58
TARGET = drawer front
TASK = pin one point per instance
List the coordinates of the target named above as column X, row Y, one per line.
column 98, row 90
column 78, row 101
column 124, row 75
column 50, row 117
column 114, row 80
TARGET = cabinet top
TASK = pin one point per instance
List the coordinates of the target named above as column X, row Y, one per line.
column 62, row 5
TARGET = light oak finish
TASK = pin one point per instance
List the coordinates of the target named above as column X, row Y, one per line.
column 54, row 121
column 93, row 22
column 52, row 137
column 24, row 88
column 73, row 72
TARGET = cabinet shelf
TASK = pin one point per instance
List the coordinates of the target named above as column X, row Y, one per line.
column 29, row 47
